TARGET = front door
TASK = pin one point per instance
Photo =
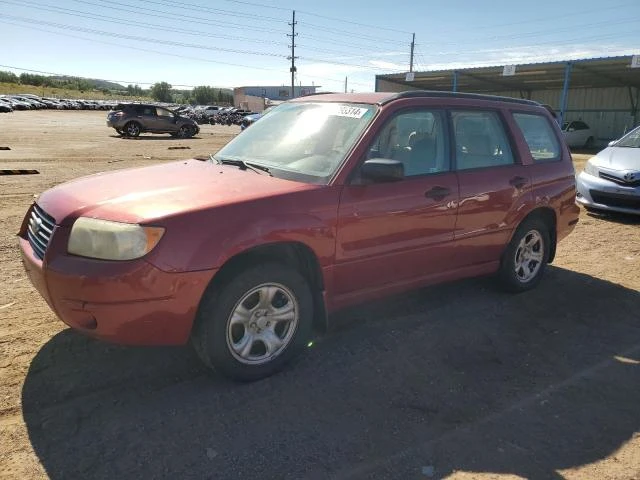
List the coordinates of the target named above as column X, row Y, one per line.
column 399, row 232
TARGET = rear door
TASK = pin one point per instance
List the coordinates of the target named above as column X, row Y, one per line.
column 165, row 120
column 494, row 185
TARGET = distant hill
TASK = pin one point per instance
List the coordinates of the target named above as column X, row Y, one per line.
column 99, row 84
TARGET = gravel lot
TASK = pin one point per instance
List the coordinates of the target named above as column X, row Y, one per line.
column 456, row 381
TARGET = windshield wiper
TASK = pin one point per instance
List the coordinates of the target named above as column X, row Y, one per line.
column 242, row 164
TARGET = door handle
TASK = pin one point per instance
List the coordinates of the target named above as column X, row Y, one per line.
column 518, row 182
column 437, row 193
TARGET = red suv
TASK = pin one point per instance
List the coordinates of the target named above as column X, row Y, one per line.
column 327, row 201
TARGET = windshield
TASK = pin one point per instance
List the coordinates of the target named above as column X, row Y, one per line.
column 631, row 139
column 304, row 141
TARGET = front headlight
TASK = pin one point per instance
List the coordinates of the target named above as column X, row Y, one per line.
column 106, row 240
column 591, row 169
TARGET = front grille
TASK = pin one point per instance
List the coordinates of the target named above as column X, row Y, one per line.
column 615, row 200
column 619, row 181
column 39, row 230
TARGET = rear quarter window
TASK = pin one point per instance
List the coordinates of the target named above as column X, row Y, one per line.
column 539, row 135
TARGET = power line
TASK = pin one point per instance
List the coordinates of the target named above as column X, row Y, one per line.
column 158, row 52
column 355, row 35
column 138, row 38
column 353, row 23
column 199, row 8
column 173, row 17
column 573, row 13
column 568, row 43
column 336, row 42
column 319, row 16
column 535, row 33
column 111, row 20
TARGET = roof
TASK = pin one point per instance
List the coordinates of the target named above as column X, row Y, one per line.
column 585, row 73
column 382, row 98
column 375, row 97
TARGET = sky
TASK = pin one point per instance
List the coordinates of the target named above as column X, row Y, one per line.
column 233, row 43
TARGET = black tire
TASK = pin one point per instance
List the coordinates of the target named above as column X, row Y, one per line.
column 186, row 131
column 590, row 142
column 132, row 129
column 212, row 337
column 521, row 279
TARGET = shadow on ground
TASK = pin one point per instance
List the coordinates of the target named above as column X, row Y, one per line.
column 455, row 377
column 615, row 217
column 153, row 137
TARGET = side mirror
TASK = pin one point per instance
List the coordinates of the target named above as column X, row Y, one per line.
column 612, row 143
column 571, row 129
column 382, row 170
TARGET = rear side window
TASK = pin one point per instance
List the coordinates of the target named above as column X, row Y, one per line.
column 481, row 140
column 539, row 136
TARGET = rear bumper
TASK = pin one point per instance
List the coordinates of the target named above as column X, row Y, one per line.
column 132, row 303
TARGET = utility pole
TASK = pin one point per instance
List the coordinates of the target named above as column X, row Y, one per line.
column 413, row 43
column 293, row 53
column 345, row 84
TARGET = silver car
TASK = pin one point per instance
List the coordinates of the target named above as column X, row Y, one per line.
column 610, row 180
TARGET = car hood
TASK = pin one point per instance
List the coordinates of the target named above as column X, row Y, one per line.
column 618, row 158
column 147, row 194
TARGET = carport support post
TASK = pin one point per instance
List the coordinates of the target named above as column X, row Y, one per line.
column 565, row 92
column 455, row 81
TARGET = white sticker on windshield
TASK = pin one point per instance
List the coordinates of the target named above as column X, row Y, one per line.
column 351, row 112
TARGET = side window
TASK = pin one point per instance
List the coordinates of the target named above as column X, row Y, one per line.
column 150, row 111
column 161, row 112
column 416, row 138
column 539, row 136
column 480, row 140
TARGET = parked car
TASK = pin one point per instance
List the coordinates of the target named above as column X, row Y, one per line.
column 325, row 202
column 15, row 104
column 610, row 180
column 578, row 134
column 248, row 120
column 135, row 118
column 5, row 106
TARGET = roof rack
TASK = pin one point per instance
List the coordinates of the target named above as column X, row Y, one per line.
column 441, row 94
column 315, row 93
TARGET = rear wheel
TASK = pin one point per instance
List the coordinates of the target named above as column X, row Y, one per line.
column 525, row 258
column 257, row 322
column 132, row 129
column 590, row 142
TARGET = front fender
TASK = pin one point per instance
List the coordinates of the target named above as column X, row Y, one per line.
column 207, row 239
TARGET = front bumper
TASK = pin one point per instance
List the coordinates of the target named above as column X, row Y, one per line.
column 601, row 194
column 131, row 302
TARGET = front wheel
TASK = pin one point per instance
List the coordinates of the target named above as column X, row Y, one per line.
column 526, row 256
column 186, row 131
column 257, row 322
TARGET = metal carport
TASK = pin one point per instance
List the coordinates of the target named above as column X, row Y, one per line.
column 589, row 86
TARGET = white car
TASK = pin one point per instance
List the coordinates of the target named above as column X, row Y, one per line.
column 578, row 134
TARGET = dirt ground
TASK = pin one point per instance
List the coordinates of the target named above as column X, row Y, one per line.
column 456, row 381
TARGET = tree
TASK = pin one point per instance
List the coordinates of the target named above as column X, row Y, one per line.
column 8, row 77
column 203, row 95
column 161, row 92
